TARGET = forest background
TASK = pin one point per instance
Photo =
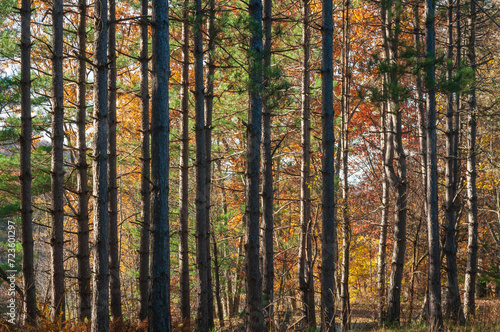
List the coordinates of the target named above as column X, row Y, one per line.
column 250, row 162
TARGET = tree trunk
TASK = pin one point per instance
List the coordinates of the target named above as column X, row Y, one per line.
column 184, row 173
column 220, row 311
column 435, row 313
column 159, row 310
column 267, row 175
column 329, row 233
column 472, row 247
column 25, row 177
column 57, row 169
column 204, row 318
column 100, row 294
column 452, row 308
column 84, row 290
column 253, row 278
column 145, row 170
column 305, row 266
column 114, row 248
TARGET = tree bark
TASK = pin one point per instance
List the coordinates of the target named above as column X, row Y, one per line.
column 100, row 294
column 57, row 169
column 184, row 173
column 329, row 233
column 84, row 290
column 305, row 266
column 25, row 141
column 114, row 247
column 159, row 310
column 253, row 276
column 145, row 170
column 435, row 312
column 472, row 247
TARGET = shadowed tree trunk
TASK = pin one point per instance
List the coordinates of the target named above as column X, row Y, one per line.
column 145, row 170
column 329, row 234
column 25, row 177
column 184, row 173
column 84, row 290
column 159, row 310
column 253, row 276
column 306, row 281
column 114, row 248
column 472, row 247
column 57, row 170
column 100, row 294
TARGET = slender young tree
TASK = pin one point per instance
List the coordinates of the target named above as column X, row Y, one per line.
column 267, row 173
column 329, row 233
column 114, row 248
column 159, row 309
column 84, row 290
column 253, row 276
column 435, row 312
column 472, row 247
column 204, row 318
column 25, row 141
column 145, row 169
column 305, row 268
column 100, row 293
column 57, row 168
column 184, row 172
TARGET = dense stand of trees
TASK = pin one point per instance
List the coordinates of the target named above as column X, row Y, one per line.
column 300, row 136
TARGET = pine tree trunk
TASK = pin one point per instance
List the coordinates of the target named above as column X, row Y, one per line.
column 253, row 276
column 329, row 233
column 25, row 141
column 267, row 175
column 84, row 290
column 145, row 170
column 57, row 170
column 435, row 312
column 100, row 294
column 472, row 246
column 306, row 281
column 114, row 248
column 184, row 173
column 159, row 310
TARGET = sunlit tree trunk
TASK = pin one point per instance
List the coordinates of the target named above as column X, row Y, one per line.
column 253, row 277
column 145, row 170
column 329, row 233
column 306, row 281
column 472, row 246
column 25, row 177
column 159, row 311
column 184, row 173
column 84, row 290
column 57, row 168
column 100, row 293
column 114, row 247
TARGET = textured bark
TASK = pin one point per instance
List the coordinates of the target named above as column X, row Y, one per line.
column 204, row 317
column 452, row 308
column 305, row 266
column 57, row 169
column 25, row 167
column 114, row 247
column 253, row 276
column 329, row 233
column 145, row 170
column 435, row 312
column 84, row 290
column 472, row 246
column 267, row 175
column 159, row 310
column 184, row 173
column 100, row 293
